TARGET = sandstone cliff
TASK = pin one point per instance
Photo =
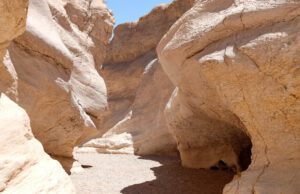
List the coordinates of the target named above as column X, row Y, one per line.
column 236, row 68
column 55, row 77
column 132, row 40
column 222, row 87
column 12, row 21
column 24, row 166
column 138, row 122
column 138, row 89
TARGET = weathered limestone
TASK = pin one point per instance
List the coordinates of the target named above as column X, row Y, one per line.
column 24, row 166
column 143, row 129
column 132, row 40
column 96, row 20
column 234, row 71
column 12, row 24
column 138, row 89
column 56, row 77
column 13, row 17
column 236, row 68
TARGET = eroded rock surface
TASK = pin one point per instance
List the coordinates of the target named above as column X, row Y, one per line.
column 236, row 68
column 132, row 40
column 138, row 89
column 12, row 24
column 54, row 65
column 142, row 124
column 25, row 167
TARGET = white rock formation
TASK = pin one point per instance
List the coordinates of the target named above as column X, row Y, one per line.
column 24, row 166
column 54, row 71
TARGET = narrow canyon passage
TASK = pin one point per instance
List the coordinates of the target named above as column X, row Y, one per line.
column 129, row 174
column 190, row 97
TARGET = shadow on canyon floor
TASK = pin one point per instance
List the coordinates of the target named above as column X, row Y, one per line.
column 172, row 178
column 130, row 174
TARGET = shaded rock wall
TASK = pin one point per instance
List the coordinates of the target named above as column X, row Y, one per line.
column 236, row 68
column 142, row 124
column 138, row 89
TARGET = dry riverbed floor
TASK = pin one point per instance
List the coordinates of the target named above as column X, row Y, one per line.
column 129, row 174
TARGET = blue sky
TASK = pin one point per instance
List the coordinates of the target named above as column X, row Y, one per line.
column 132, row 10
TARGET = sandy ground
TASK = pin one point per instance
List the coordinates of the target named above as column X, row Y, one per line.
column 128, row 174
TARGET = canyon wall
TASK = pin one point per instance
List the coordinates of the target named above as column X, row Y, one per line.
column 135, row 39
column 235, row 65
column 24, row 166
column 138, row 89
column 54, row 71
column 222, row 88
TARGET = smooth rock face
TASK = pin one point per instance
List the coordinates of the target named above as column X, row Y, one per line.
column 132, row 40
column 55, row 68
column 138, row 89
column 236, row 68
column 122, row 81
column 25, row 167
column 142, row 126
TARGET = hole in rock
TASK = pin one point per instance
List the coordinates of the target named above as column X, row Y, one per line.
column 214, row 168
column 245, row 153
column 220, row 166
column 86, row 166
column 245, row 157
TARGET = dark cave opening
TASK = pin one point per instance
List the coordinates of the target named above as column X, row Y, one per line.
column 244, row 161
column 245, row 157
